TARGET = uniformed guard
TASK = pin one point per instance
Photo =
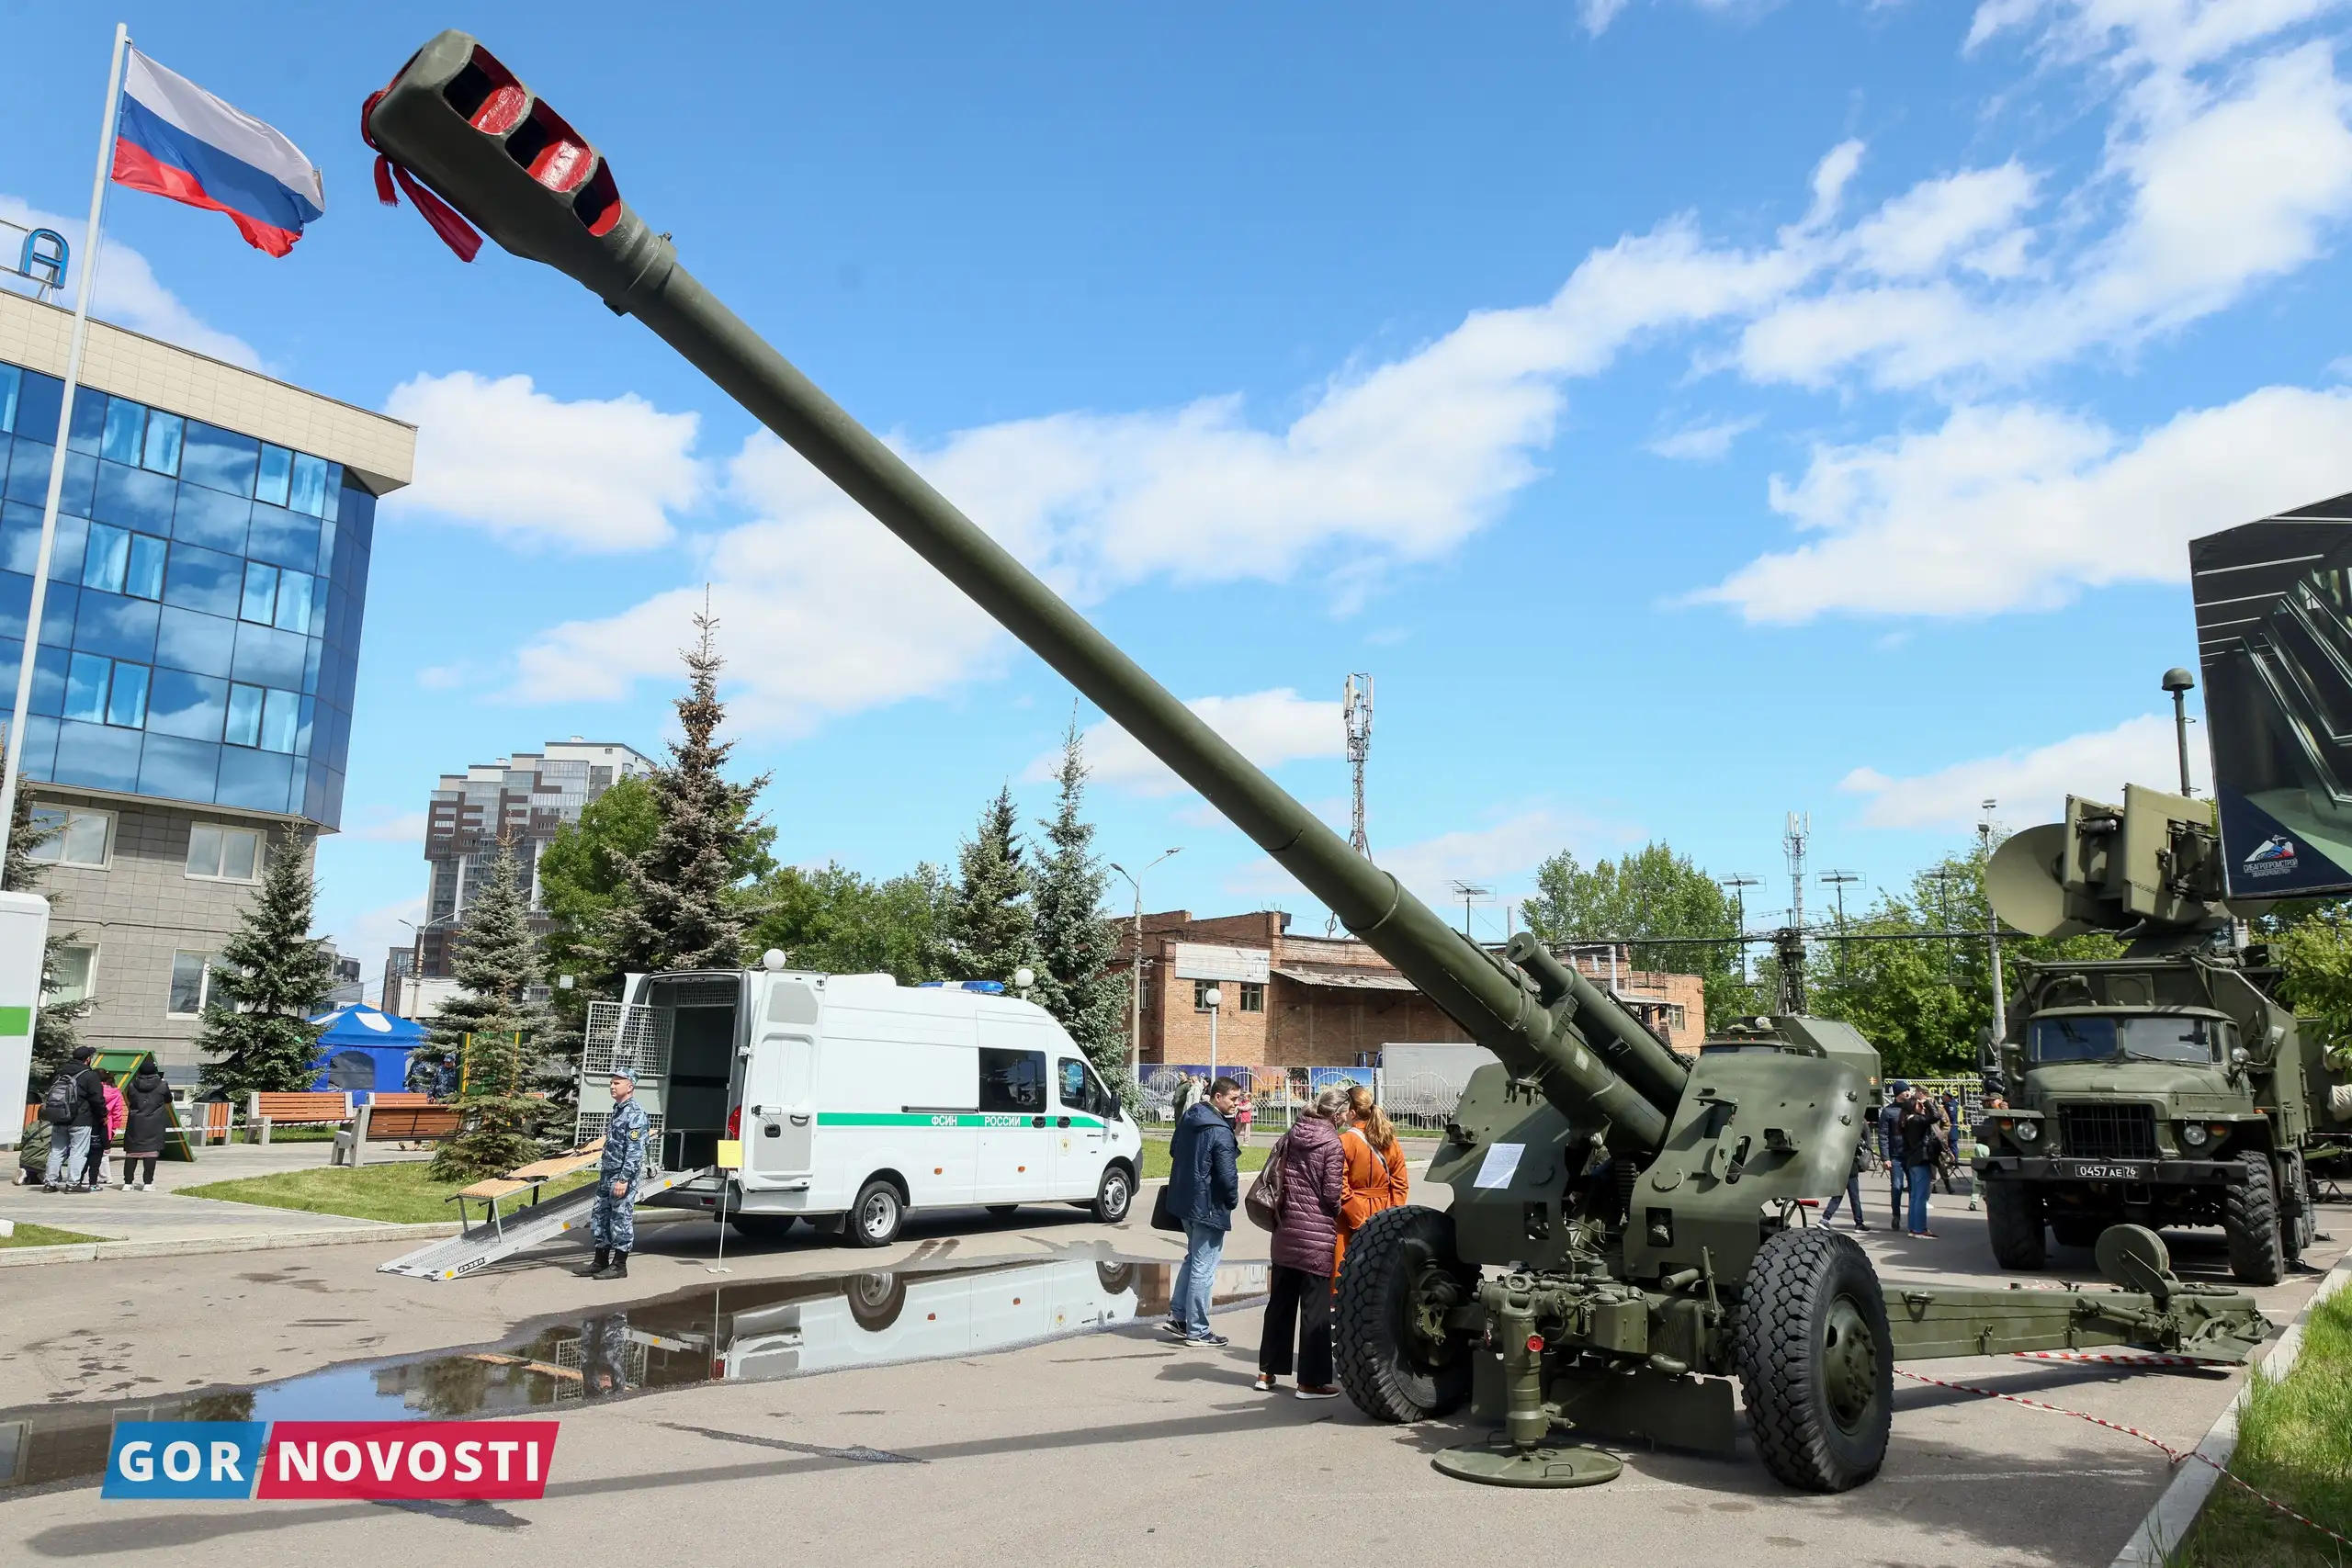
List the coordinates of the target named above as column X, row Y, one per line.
column 612, row 1221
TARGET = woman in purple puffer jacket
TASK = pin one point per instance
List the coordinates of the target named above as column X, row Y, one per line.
column 1307, row 1238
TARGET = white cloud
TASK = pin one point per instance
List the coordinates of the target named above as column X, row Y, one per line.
column 407, row 827
column 506, row 458
column 2021, row 507
column 370, row 935
column 1922, row 230
column 1704, row 443
column 2031, row 785
column 128, row 294
column 1268, row 728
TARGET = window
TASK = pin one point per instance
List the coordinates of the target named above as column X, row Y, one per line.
column 126, row 426
column 162, row 455
column 224, row 855
column 293, row 602
column 1082, row 1091
column 1013, row 1081
column 244, row 715
column 191, row 983
column 1253, row 997
column 106, row 690
column 260, row 598
column 1201, row 989
column 71, row 972
column 277, row 469
column 76, row 837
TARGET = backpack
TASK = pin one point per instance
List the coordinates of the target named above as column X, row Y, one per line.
column 61, row 1106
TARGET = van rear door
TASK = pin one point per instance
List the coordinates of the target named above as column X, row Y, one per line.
column 780, row 1112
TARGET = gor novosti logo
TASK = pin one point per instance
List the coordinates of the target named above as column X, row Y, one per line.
column 458, row 1461
column 2275, row 856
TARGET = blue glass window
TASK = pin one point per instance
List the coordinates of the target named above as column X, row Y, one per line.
column 57, row 610
column 218, row 459
column 98, row 756
column 48, row 679
column 128, row 498
column 293, row 602
column 163, row 442
column 86, row 687
column 187, row 640
column 16, row 603
column 9, row 378
column 211, row 518
column 245, row 715
column 283, row 539
column 261, row 593
column 310, row 484
column 89, row 421
column 277, row 471
column 255, row 780
column 335, row 491
column 192, row 706
column 176, row 769
column 38, row 396
column 203, row 580
column 107, row 558
column 279, row 711
column 143, row 578
column 112, row 625
column 126, row 430
column 40, row 743
column 20, row 536
column 127, row 703
column 268, row 658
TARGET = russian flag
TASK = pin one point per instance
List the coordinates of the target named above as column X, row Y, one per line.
column 176, row 140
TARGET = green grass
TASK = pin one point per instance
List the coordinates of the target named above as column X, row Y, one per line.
column 1155, row 1158
column 2295, row 1444
column 401, row 1192
column 30, row 1235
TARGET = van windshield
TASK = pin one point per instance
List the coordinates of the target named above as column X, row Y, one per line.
column 2141, row 1037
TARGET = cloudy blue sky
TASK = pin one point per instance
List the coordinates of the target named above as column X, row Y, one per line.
column 1690, row 412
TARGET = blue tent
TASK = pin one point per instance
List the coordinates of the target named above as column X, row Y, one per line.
column 364, row 1051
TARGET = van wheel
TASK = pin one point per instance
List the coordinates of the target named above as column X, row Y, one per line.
column 873, row 1220
column 1115, row 1197
column 876, row 1300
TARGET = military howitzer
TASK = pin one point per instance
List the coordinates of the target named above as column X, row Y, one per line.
column 1642, row 1210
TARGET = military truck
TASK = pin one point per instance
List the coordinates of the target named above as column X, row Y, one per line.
column 2169, row 1087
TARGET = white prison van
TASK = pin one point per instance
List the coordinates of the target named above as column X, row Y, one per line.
column 857, row 1098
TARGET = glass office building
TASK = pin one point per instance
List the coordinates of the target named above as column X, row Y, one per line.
column 202, row 622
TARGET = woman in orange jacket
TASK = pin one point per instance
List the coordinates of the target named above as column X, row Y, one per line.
column 1375, row 1168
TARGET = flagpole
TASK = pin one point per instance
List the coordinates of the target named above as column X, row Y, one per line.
column 9, row 777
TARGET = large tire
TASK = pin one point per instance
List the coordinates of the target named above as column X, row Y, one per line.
column 1816, row 1364
column 1390, row 1367
column 1115, row 1197
column 2013, row 1223
column 2250, row 1219
column 873, row 1220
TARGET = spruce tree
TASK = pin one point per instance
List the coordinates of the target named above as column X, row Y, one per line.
column 272, row 976
column 55, row 1034
column 489, row 1025
column 679, row 907
column 1075, row 944
column 990, row 928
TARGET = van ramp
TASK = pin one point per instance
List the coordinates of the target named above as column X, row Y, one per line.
column 497, row 1235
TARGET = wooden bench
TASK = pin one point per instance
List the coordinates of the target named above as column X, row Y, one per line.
column 394, row 1125
column 265, row 1111
column 399, row 1099
column 209, row 1120
column 529, row 1179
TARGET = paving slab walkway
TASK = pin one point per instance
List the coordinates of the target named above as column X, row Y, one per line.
column 164, row 1215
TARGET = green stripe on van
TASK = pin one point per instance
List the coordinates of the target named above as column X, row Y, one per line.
column 945, row 1119
column 15, row 1022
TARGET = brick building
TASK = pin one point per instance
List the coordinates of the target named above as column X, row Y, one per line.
column 1292, row 1000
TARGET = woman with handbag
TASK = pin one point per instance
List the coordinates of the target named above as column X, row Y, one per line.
column 1307, row 1178
column 1376, row 1175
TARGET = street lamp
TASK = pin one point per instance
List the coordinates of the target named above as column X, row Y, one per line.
column 1023, row 978
column 1213, row 998
column 1135, row 974
column 415, row 963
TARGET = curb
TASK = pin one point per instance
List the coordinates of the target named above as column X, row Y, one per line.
column 97, row 1251
column 2169, row 1522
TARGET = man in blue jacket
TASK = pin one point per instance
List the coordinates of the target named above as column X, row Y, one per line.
column 1203, row 1189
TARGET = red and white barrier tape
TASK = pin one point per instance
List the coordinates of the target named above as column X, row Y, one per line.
column 2139, row 1360
column 2176, row 1454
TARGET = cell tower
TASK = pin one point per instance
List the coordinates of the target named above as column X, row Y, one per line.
column 1356, row 710
column 1792, row 841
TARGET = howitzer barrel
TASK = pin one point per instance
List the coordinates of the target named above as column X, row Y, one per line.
column 1631, row 1051
column 459, row 118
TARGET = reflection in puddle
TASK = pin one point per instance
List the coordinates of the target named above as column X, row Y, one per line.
column 733, row 1332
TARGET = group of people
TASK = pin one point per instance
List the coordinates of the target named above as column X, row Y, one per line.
column 1339, row 1166
column 1917, row 1138
column 86, row 1113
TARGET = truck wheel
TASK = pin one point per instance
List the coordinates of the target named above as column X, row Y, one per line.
column 2250, row 1219
column 873, row 1220
column 2013, row 1223
column 1816, row 1364
column 1115, row 1197
column 1396, row 1358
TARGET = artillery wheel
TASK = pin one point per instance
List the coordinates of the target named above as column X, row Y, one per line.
column 1400, row 1276
column 2250, row 1219
column 1816, row 1364
column 2013, row 1224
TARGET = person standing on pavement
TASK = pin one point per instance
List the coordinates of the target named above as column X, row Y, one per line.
column 1890, row 1148
column 103, row 1135
column 1376, row 1175
column 148, row 1099
column 76, row 1102
column 1203, row 1189
column 1853, row 1193
column 1313, row 1178
column 611, row 1222
column 1917, row 1133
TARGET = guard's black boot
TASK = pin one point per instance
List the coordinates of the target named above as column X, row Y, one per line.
column 617, row 1269
column 603, row 1256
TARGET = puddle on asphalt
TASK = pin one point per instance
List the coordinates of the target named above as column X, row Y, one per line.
column 751, row 1332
